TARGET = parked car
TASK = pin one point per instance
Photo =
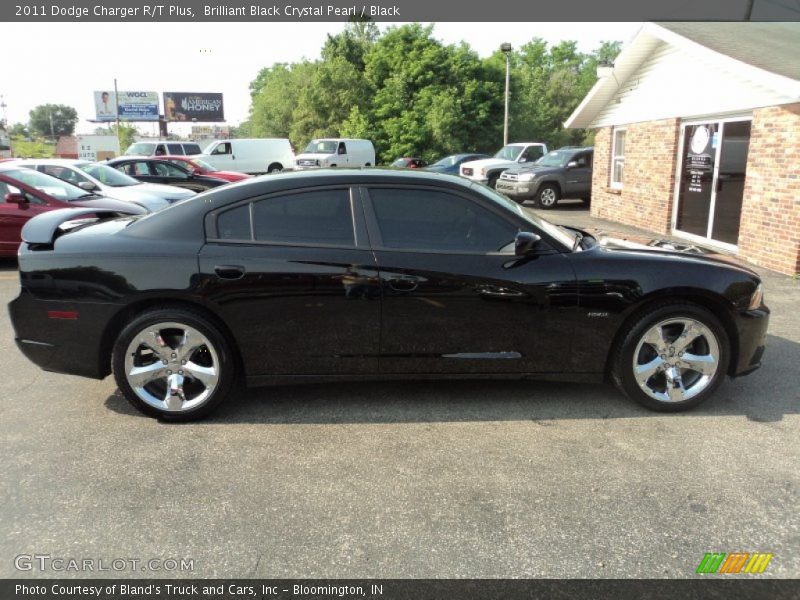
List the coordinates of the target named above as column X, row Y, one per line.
column 562, row 173
column 162, row 148
column 409, row 274
column 487, row 170
column 409, row 162
column 336, row 152
column 263, row 155
column 450, row 164
column 153, row 170
column 100, row 177
column 26, row 193
column 201, row 167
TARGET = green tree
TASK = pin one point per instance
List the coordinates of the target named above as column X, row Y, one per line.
column 127, row 135
column 53, row 120
column 19, row 130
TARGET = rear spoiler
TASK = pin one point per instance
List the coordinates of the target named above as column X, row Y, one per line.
column 42, row 228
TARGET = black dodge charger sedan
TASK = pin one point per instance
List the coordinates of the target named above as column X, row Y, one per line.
column 348, row 274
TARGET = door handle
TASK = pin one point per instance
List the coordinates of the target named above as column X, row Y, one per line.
column 229, row 271
column 403, row 284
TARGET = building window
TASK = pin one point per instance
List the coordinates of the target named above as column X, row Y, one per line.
column 618, row 158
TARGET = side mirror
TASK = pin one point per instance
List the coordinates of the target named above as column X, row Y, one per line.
column 572, row 164
column 87, row 185
column 525, row 242
column 13, row 198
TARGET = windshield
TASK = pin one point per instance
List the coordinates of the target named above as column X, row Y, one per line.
column 47, row 184
column 142, row 148
column 447, row 161
column 510, row 152
column 400, row 162
column 321, row 147
column 564, row 236
column 203, row 165
column 556, row 158
column 107, row 175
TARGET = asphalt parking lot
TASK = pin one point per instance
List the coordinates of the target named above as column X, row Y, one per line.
column 406, row 480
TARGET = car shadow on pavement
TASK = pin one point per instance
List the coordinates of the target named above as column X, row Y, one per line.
column 764, row 396
column 9, row 264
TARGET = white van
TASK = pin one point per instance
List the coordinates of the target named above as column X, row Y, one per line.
column 336, row 152
column 263, row 155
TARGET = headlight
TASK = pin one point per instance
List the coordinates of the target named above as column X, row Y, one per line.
column 526, row 177
column 757, row 298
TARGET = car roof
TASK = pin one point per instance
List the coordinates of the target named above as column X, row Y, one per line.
column 61, row 162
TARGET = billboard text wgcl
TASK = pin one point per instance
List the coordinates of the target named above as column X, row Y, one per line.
column 132, row 106
column 184, row 106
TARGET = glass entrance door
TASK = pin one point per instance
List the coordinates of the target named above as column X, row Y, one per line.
column 711, row 187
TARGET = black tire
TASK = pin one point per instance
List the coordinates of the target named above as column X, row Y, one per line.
column 492, row 183
column 367, row 165
column 622, row 358
column 275, row 168
column 587, row 201
column 221, row 348
column 547, row 196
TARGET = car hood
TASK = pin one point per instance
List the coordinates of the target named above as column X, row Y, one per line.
column 136, row 193
column 537, row 169
column 488, row 163
column 617, row 241
column 167, row 192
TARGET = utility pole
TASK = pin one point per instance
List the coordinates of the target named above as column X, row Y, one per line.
column 506, row 49
column 116, row 111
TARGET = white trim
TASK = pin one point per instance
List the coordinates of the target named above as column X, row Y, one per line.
column 617, row 185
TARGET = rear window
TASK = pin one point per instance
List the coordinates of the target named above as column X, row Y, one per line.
column 192, row 148
column 175, row 148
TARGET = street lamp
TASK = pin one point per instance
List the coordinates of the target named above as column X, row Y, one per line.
column 505, row 48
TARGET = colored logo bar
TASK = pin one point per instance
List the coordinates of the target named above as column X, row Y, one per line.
column 735, row 562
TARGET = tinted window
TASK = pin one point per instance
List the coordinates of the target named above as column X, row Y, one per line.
column 432, row 220
column 175, row 148
column 314, row 217
column 234, row 224
column 166, row 169
column 192, row 148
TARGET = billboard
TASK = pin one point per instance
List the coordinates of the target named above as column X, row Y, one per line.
column 133, row 106
column 186, row 106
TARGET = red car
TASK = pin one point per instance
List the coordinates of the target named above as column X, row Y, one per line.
column 200, row 167
column 25, row 193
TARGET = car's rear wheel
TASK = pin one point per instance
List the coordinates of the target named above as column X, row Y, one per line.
column 275, row 168
column 672, row 358
column 173, row 364
column 547, row 196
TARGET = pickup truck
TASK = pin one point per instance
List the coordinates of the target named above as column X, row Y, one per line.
column 563, row 173
column 488, row 170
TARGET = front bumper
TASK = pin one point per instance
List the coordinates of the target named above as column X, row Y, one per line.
column 516, row 189
column 752, row 329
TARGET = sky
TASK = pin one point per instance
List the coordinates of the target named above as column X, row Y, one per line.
column 63, row 63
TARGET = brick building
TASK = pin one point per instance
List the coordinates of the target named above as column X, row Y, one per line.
column 698, row 135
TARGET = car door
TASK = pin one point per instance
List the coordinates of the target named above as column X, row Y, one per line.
column 223, row 157
column 579, row 176
column 13, row 216
column 293, row 276
column 342, row 157
column 455, row 297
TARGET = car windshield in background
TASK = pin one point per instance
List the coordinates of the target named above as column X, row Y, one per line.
column 47, row 184
column 447, row 161
column 108, row 175
column 509, row 152
column 204, row 165
column 564, row 236
column 556, row 158
column 321, row 147
column 141, row 148
column 400, row 162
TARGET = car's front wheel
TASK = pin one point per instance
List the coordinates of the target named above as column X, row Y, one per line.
column 672, row 358
column 173, row 364
column 547, row 196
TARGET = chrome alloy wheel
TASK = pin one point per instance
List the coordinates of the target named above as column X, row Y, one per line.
column 547, row 197
column 172, row 367
column 676, row 359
